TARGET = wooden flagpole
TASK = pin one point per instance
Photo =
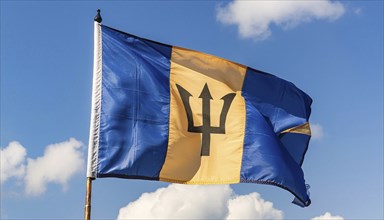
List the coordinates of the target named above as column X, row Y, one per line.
column 87, row 208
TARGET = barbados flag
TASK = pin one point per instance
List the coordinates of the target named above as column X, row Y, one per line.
column 167, row 113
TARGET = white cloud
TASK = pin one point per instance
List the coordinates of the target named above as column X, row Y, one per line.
column 12, row 161
column 58, row 164
column 317, row 131
column 252, row 206
column 254, row 18
column 179, row 201
column 358, row 11
column 328, row 216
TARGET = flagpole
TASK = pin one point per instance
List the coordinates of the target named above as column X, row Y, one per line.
column 87, row 211
column 96, row 70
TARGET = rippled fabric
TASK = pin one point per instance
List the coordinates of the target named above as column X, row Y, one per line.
column 270, row 156
column 162, row 118
column 134, row 106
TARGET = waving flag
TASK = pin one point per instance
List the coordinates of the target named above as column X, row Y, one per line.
column 166, row 113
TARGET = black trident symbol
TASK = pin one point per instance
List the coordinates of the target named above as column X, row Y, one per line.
column 206, row 129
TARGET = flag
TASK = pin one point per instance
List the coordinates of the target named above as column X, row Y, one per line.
column 167, row 113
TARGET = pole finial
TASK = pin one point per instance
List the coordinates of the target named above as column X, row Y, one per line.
column 98, row 17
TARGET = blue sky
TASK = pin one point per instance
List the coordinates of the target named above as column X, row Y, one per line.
column 331, row 50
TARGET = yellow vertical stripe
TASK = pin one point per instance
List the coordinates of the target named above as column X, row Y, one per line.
column 192, row 70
